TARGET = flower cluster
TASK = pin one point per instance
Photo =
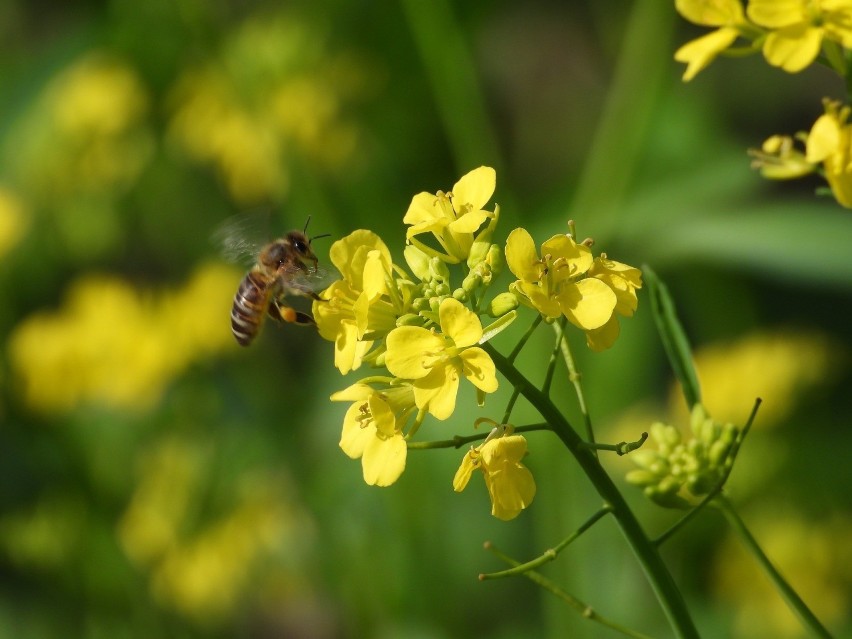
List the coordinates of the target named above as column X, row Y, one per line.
column 419, row 328
column 791, row 34
column 682, row 468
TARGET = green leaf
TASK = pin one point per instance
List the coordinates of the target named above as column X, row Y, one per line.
column 673, row 337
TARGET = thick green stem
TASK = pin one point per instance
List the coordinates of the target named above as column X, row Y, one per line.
column 664, row 586
column 799, row 607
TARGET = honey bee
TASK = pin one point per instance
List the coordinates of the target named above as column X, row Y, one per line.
column 286, row 266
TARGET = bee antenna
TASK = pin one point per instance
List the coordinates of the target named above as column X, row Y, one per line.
column 308, row 221
column 316, row 237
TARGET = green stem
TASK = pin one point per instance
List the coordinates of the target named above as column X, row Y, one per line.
column 575, row 377
column 621, row 448
column 805, row 615
column 584, row 609
column 559, row 328
column 670, row 598
column 524, row 338
column 551, row 553
column 460, row 440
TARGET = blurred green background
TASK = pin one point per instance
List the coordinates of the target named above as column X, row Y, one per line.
column 157, row 481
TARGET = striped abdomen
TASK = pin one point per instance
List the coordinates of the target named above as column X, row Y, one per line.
column 250, row 304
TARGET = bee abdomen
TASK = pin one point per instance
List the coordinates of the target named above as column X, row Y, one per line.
column 250, row 304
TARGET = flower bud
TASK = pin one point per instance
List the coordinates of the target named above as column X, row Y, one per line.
column 409, row 319
column 442, row 289
column 460, row 294
column 502, row 304
column 471, row 282
column 438, row 270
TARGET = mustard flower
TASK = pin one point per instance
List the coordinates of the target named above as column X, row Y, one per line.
column 726, row 14
column 623, row 280
column 799, row 27
column 779, row 159
column 372, row 430
column 359, row 303
column 510, row 484
column 435, row 361
column 830, row 142
column 557, row 283
column 454, row 217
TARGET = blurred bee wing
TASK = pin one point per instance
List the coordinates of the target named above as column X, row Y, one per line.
column 314, row 279
column 241, row 237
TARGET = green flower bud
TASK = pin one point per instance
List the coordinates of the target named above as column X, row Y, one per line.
column 442, row 289
column 409, row 319
column 502, row 304
column 438, row 270
column 494, row 259
column 471, row 282
column 460, row 294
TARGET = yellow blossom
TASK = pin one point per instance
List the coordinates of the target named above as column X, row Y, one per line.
column 358, row 304
column 435, row 361
column 372, row 430
column 798, row 28
column 623, row 280
column 779, row 159
column 510, row 484
column 725, row 14
column 557, row 283
column 454, row 217
column 830, row 142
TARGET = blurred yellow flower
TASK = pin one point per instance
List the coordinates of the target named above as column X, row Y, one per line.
column 272, row 94
column 813, row 554
column 798, row 28
column 436, row 361
column 113, row 345
column 726, row 14
column 830, row 142
column 557, row 282
column 453, row 218
column 510, row 484
column 777, row 367
column 13, row 220
column 779, row 159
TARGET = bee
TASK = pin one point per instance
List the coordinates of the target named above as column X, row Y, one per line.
column 286, row 266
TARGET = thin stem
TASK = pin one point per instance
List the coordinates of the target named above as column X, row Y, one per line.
column 621, row 448
column 584, row 609
column 524, row 338
column 805, row 615
column 574, row 376
column 460, row 440
column 559, row 329
column 508, row 413
column 551, row 553
column 670, row 598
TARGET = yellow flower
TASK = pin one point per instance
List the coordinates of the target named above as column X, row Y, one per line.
column 357, row 304
column 552, row 284
column 435, row 361
column 372, row 430
column 453, row 217
column 725, row 14
column 830, row 142
column 779, row 159
column 510, row 484
column 623, row 280
column 798, row 28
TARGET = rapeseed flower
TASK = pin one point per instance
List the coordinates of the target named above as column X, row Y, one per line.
column 510, row 484
column 623, row 280
column 727, row 15
column 798, row 28
column 435, row 361
column 558, row 283
column 453, row 217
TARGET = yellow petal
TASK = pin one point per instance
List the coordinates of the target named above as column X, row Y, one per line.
column 354, row 437
column 576, row 258
column 355, row 393
column 462, row 476
column 521, row 256
column 793, row 48
column 469, row 222
column 375, row 270
column 412, row 350
column 479, row 369
column 459, row 323
column 699, row 53
column 384, row 460
column 777, row 14
column 343, row 253
column 587, row 304
column 474, row 189
column 437, row 391
column 824, row 138
column 604, row 337
column 711, row 13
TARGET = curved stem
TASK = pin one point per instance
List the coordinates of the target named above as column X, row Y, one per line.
column 575, row 377
column 799, row 607
column 664, row 586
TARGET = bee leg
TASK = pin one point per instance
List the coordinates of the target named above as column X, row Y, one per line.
column 290, row 315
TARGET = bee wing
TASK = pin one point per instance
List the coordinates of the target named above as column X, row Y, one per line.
column 241, row 237
column 314, row 279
